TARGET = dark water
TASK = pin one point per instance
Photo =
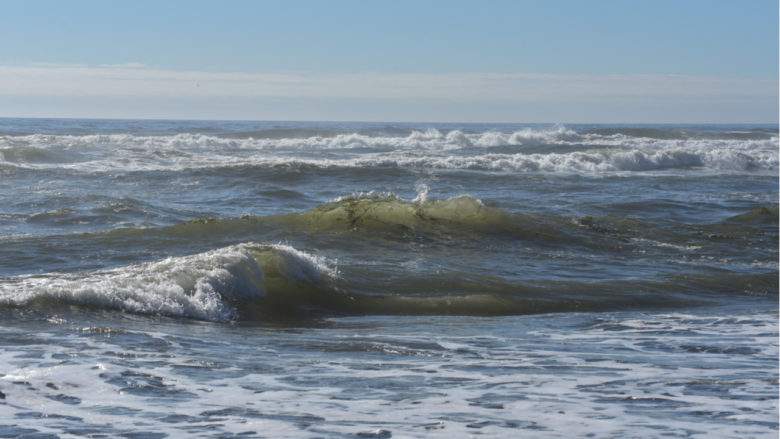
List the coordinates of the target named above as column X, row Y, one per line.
column 282, row 279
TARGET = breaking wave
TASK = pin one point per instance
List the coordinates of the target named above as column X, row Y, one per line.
column 260, row 282
column 566, row 151
column 203, row 286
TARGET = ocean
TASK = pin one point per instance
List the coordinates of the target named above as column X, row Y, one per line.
column 321, row 279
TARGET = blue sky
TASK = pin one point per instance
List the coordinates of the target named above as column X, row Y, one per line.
column 519, row 61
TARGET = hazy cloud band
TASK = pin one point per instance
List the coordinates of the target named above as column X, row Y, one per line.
column 139, row 83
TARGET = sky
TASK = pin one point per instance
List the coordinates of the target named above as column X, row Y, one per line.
column 619, row 61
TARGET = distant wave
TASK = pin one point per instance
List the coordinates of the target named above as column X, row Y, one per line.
column 388, row 216
column 565, row 151
column 387, row 213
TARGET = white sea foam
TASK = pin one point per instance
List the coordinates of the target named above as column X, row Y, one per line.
column 594, row 153
column 602, row 375
column 302, row 266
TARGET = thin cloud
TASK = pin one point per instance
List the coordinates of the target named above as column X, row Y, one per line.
column 137, row 91
column 137, row 80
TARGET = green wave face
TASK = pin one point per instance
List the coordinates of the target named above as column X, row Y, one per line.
column 298, row 287
column 387, row 213
column 764, row 214
column 467, row 217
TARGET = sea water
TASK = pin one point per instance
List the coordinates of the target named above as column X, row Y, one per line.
column 304, row 279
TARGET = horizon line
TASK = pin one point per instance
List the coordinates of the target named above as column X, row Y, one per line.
column 176, row 119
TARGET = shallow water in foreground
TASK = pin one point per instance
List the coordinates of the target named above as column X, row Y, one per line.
column 215, row 279
column 607, row 374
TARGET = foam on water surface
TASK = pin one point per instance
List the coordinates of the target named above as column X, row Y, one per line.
column 608, row 375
